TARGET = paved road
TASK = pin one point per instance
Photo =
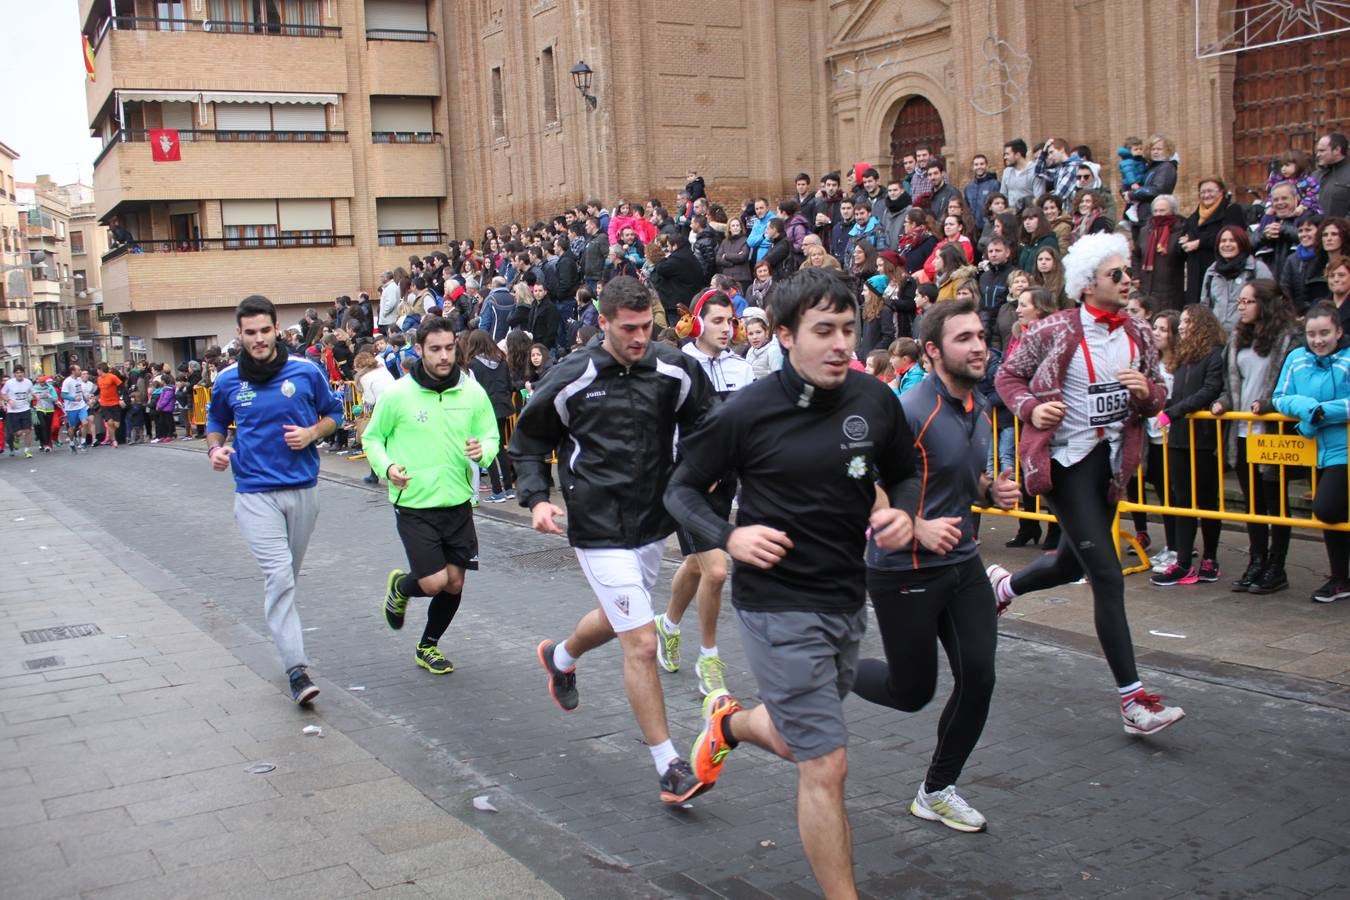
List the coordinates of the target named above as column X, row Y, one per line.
column 1247, row 797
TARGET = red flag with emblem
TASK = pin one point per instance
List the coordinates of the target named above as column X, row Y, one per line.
column 164, row 146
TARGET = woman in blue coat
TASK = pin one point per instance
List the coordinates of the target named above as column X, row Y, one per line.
column 1314, row 387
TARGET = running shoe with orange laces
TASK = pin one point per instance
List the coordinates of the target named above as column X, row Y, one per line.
column 711, row 746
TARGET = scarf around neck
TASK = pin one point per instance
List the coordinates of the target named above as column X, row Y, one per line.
column 262, row 372
column 1230, row 267
column 1205, row 212
column 1162, row 236
column 423, row 378
column 909, row 241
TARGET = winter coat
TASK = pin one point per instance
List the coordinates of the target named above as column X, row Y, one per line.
column 890, row 225
column 1274, row 251
column 1199, row 261
column 1164, row 287
column 1309, row 383
column 947, row 289
column 1195, row 387
column 492, row 374
column 929, row 264
column 1334, row 194
column 733, row 259
column 496, row 315
column 977, row 192
column 1285, row 344
column 1160, row 177
column 1220, row 293
column 597, row 250
column 780, row 258
column 680, row 278
column 1026, row 260
column 704, row 245
column 1304, row 280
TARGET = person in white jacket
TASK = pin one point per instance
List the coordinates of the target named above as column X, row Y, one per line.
column 704, row 570
column 764, row 355
column 389, row 301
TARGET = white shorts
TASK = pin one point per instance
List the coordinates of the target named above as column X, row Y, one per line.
column 623, row 580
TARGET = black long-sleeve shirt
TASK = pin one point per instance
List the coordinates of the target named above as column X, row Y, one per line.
column 808, row 461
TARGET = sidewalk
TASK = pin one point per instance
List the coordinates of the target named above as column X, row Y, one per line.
column 1196, row 627
column 125, row 755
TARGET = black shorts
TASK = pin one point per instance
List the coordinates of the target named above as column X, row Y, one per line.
column 19, row 421
column 438, row 537
column 720, row 500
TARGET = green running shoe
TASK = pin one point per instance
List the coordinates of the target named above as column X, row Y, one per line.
column 667, row 646
column 395, row 604
column 429, row 657
column 710, row 669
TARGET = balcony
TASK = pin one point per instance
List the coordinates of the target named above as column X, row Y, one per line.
column 407, row 170
column 152, row 280
column 244, row 56
column 226, row 166
column 13, row 313
column 404, row 68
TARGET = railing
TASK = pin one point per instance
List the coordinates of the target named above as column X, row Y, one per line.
column 220, row 26
column 206, row 245
column 1200, row 508
column 405, row 137
column 410, row 236
column 399, row 34
column 229, row 136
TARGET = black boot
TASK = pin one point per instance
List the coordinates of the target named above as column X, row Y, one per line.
column 1028, row 532
column 1272, row 578
column 1255, row 566
column 1051, row 537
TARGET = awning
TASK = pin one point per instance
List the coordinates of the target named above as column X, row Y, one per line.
column 267, row 97
column 147, row 96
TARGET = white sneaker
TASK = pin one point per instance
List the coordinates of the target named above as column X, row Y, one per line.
column 1148, row 715
column 949, row 808
column 997, row 575
column 1163, row 561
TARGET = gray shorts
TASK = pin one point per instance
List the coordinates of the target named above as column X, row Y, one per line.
column 804, row 663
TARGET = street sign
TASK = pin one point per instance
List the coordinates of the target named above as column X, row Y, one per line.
column 1281, row 450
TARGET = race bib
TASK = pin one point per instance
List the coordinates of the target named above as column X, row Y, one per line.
column 1108, row 403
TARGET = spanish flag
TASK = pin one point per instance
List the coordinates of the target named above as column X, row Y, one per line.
column 88, row 57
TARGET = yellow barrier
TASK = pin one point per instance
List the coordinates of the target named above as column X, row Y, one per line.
column 1277, row 448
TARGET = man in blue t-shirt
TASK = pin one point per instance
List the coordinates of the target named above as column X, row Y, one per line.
column 280, row 406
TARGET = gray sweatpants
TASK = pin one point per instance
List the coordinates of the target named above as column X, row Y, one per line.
column 277, row 525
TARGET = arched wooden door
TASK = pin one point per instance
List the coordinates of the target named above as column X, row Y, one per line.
column 1284, row 97
column 917, row 124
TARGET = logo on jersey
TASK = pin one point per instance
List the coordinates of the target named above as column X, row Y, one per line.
column 855, row 429
column 422, row 415
column 857, row 466
column 287, row 389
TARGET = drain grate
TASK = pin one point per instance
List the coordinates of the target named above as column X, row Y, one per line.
column 58, row 633
column 46, row 662
column 557, row 559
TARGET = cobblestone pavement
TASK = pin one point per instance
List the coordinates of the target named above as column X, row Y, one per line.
column 1246, row 797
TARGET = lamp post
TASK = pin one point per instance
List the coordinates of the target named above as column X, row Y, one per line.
column 581, row 77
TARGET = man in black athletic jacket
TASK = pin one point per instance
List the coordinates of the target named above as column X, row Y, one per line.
column 809, row 444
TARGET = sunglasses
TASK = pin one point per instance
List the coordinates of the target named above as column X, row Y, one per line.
column 1117, row 275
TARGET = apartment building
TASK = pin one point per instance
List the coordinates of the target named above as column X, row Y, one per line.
column 44, row 220
column 291, row 148
column 100, row 337
column 15, row 291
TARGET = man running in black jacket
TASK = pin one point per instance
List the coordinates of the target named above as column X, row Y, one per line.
column 810, row 444
column 610, row 412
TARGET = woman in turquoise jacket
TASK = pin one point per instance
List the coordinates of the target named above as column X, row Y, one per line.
column 1314, row 387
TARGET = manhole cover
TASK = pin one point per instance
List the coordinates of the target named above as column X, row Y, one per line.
column 46, row 662
column 556, row 559
column 58, row 633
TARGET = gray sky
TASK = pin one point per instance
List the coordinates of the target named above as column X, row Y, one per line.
column 42, row 107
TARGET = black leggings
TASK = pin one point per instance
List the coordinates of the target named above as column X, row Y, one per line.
column 1207, row 494
column 166, row 426
column 953, row 604
column 501, row 473
column 1262, row 540
column 440, row 613
column 1329, row 505
column 42, row 424
column 1087, row 546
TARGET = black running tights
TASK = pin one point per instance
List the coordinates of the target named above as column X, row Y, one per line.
column 952, row 604
column 440, row 614
column 1330, row 506
column 1263, row 498
column 1206, row 495
column 1087, row 546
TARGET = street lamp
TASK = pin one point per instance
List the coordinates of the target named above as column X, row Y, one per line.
column 581, row 76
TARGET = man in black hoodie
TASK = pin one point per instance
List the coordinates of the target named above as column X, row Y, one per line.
column 597, row 251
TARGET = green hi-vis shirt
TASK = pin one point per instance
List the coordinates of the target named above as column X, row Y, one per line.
column 424, row 432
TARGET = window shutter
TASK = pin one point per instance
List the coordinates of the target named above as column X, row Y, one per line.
column 306, row 215
column 248, row 212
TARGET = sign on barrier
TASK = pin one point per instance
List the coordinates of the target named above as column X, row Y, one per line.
column 1281, row 450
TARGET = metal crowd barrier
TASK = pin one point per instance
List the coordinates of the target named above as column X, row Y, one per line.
column 1277, row 448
